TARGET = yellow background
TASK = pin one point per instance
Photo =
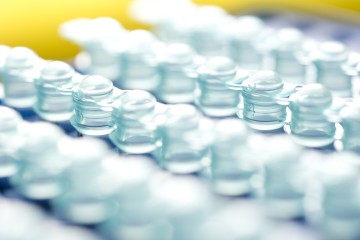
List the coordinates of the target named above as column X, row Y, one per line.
column 34, row 23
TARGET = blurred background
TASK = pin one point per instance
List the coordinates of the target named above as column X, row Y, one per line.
column 35, row 23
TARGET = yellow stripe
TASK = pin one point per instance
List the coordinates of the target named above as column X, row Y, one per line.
column 34, row 23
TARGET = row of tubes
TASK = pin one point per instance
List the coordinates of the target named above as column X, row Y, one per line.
column 42, row 164
column 85, row 182
column 96, row 107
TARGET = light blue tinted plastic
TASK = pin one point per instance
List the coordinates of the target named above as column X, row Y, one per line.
column 51, row 231
column 41, row 165
column 226, row 220
column 9, row 143
column 213, row 97
column 12, row 210
column 93, row 35
column 90, row 116
column 104, row 30
column 260, row 111
column 4, row 52
column 205, row 34
column 50, row 104
column 138, row 215
column 134, row 116
column 329, row 62
column 10, row 120
column 231, row 169
column 176, row 86
column 139, row 52
column 340, row 181
column 177, row 154
column 350, row 121
column 80, row 203
column 245, row 33
column 309, row 125
column 19, row 72
column 186, row 203
column 289, row 44
column 284, row 180
column 176, row 25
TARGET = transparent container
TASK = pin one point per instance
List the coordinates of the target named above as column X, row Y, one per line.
column 4, row 52
column 177, row 154
column 213, row 97
column 92, row 106
column 186, row 202
column 19, row 71
column 245, row 33
column 231, row 169
column 330, row 63
column 284, row 184
column 224, row 222
column 138, row 215
column 137, row 51
column 10, row 121
column 339, row 212
column 289, row 45
column 41, row 166
column 309, row 124
column 205, row 33
column 52, row 229
column 260, row 110
column 176, row 84
column 93, row 35
column 347, row 114
column 171, row 21
column 87, row 199
column 135, row 115
column 50, row 104
column 19, row 219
